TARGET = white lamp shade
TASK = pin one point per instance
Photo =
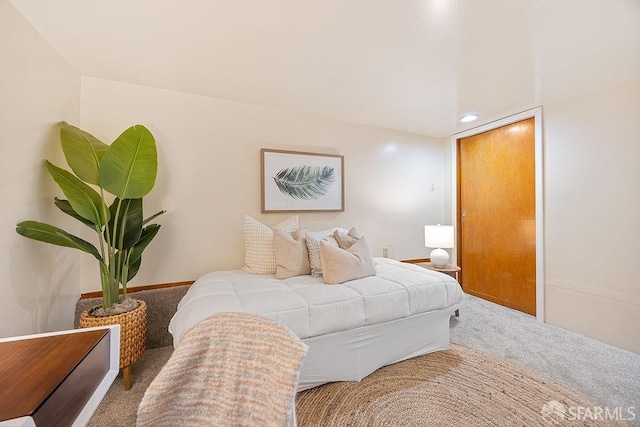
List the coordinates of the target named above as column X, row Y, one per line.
column 438, row 236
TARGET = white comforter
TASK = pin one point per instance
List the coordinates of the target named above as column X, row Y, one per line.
column 309, row 307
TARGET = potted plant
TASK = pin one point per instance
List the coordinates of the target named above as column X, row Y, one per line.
column 105, row 193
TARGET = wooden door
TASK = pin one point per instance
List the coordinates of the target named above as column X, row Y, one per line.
column 496, row 215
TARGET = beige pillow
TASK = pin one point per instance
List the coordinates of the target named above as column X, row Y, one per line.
column 259, row 254
column 345, row 241
column 313, row 246
column 342, row 265
column 292, row 258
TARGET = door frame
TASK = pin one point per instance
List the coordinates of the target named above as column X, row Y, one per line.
column 536, row 113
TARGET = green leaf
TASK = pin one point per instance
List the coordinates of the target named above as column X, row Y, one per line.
column 56, row 236
column 305, row 182
column 134, row 267
column 85, row 201
column 155, row 215
column 129, row 167
column 134, row 255
column 83, row 152
column 129, row 223
column 148, row 233
column 65, row 207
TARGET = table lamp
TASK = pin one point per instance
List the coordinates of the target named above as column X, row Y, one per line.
column 438, row 236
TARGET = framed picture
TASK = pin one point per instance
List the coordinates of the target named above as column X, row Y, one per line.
column 301, row 182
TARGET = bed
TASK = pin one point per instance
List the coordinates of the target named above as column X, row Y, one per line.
column 352, row 329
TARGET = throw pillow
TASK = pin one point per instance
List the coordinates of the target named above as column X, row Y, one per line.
column 342, row 265
column 313, row 240
column 346, row 240
column 259, row 254
column 292, row 257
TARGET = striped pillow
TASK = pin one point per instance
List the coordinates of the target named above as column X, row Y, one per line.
column 259, row 253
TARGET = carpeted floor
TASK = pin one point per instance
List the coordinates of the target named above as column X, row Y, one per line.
column 602, row 373
column 119, row 407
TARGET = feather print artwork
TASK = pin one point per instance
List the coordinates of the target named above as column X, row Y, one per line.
column 305, row 182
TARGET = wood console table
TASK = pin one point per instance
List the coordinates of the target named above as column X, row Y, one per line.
column 57, row 378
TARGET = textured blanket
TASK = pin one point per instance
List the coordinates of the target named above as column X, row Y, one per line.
column 230, row 369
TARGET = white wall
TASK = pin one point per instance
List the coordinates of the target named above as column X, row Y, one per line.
column 592, row 220
column 39, row 283
column 209, row 178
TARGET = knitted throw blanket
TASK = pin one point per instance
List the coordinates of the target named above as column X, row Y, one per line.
column 234, row 369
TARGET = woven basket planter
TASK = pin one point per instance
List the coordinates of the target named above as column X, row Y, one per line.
column 133, row 331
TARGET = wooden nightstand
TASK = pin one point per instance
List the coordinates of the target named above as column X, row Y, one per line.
column 450, row 269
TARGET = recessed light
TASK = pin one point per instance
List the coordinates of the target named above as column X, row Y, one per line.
column 468, row 118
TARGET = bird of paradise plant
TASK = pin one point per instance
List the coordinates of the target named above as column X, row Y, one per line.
column 123, row 173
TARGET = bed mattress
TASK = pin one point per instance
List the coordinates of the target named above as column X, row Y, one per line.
column 311, row 308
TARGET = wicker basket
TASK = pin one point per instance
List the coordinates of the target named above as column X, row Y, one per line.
column 133, row 331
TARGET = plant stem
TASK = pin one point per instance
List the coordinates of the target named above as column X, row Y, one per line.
column 117, row 260
column 108, row 285
column 125, row 274
column 106, row 291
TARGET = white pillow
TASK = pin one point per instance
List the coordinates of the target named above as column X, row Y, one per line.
column 292, row 257
column 342, row 265
column 259, row 254
column 313, row 239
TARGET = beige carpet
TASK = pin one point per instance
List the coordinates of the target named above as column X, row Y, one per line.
column 460, row 387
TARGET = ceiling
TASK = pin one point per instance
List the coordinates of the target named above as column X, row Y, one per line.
column 411, row 65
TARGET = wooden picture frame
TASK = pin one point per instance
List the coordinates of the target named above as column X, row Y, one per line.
column 296, row 181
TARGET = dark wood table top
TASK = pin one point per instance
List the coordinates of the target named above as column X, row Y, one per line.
column 31, row 369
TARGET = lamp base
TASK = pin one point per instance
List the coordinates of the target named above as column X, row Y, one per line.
column 439, row 257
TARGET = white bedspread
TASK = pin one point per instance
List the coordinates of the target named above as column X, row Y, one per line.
column 309, row 307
